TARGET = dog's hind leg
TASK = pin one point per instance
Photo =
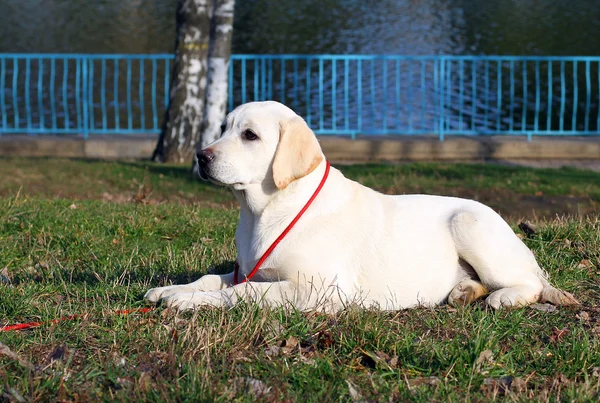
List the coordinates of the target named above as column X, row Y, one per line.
column 502, row 262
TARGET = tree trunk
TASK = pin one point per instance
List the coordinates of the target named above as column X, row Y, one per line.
column 218, row 68
column 184, row 117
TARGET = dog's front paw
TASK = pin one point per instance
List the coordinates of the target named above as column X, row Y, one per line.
column 184, row 301
column 158, row 293
column 153, row 294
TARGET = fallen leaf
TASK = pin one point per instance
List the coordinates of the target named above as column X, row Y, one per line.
column 7, row 352
column 73, row 206
column 256, row 387
column 585, row 264
column 485, row 357
column 502, row 384
column 558, row 334
column 424, row 380
column 544, row 307
column 354, row 394
column 5, row 277
column 584, row 316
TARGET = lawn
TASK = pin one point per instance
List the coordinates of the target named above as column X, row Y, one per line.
column 90, row 237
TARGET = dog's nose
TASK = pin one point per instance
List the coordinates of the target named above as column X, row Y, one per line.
column 205, row 156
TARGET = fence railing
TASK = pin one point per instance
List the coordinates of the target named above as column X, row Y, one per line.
column 336, row 94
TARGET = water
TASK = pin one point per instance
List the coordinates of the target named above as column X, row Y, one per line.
column 412, row 27
column 408, row 27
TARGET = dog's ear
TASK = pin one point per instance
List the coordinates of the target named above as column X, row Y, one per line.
column 298, row 152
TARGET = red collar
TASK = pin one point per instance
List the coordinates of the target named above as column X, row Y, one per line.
column 283, row 234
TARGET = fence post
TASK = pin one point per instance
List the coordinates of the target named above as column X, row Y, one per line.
column 84, row 97
column 442, row 95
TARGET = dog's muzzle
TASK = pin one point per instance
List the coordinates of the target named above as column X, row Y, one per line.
column 204, row 158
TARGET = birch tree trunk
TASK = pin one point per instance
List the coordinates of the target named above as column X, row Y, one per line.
column 218, row 68
column 184, row 117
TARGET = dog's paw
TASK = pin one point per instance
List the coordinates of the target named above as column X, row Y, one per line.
column 184, row 301
column 158, row 293
column 153, row 294
column 510, row 298
column 466, row 292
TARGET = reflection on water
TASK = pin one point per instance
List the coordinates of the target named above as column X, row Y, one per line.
column 409, row 27
column 413, row 27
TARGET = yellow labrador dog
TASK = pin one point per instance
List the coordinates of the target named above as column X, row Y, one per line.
column 353, row 244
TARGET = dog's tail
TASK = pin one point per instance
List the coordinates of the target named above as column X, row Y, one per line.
column 554, row 295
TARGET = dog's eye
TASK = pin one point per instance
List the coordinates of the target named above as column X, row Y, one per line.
column 249, row 135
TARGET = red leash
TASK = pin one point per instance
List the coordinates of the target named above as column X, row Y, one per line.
column 264, row 257
column 23, row 326
column 30, row 325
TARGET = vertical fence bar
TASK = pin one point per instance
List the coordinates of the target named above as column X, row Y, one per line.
column 410, row 96
column 499, row 95
column 588, row 94
column 78, row 124
column 90, row 96
column 398, row 94
column 166, row 83
column 103, row 95
column 563, row 90
column 385, row 95
column 27, row 95
column 333, row 94
column 295, row 90
column 308, row 102
column 461, row 92
column 141, row 95
column 511, row 127
column 282, row 82
column 525, row 103
column 154, row 112
column 474, row 93
column 598, row 117
column 230, row 84
column 256, row 71
column 372, row 91
column 270, row 78
column 486, row 84
column 320, row 94
column 2, row 101
column 536, row 122
column 442, row 96
column 448, row 82
column 15, row 101
column 128, row 94
column 40, row 92
column 64, row 92
column 422, row 95
column 549, row 110
column 84, row 103
column 436, row 92
column 575, row 97
column 359, row 92
column 244, row 89
column 116, row 94
column 346, row 94
column 263, row 79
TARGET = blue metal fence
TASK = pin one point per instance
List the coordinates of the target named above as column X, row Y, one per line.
column 337, row 94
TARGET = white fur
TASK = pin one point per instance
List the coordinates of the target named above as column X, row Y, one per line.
column 353, row 244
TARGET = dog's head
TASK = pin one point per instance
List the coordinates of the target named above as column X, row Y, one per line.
column 261, row 143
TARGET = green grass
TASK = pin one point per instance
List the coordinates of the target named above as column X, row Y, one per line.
column 92, row 237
